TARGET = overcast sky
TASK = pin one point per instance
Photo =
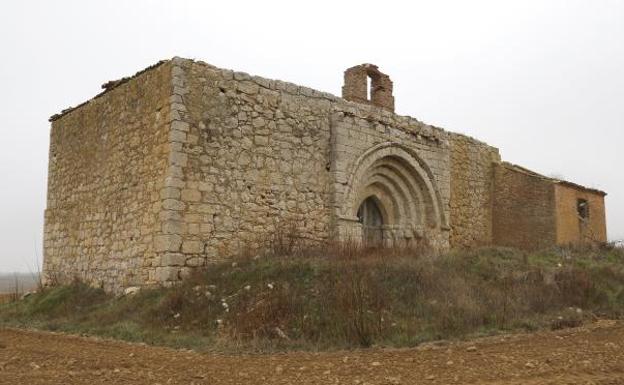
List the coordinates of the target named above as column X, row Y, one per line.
column 541, row 80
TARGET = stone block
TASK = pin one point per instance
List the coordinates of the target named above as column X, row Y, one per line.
column 176, row 70
column 169, row 215
column 177, row 158
column 206, row 228
column 248, row 87
column 195, row 261
column 239, row 75
column 205, row 186
column 189, row 195
column 185, row 272
column 193, row 228
column 173, row 227
column 261, row 140
column 178, row 125
column 167, row 242
column 192, row 247
column 169, row 193
column 173, row 259
column 177, row 136
column 258, row 122
column 166, row 274
column 174, row 182
column 173, row 204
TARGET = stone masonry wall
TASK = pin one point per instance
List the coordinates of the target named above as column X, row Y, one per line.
column 359, row 130
column 106, row 165
column 254, row 159
column 250, row 163
column 186, row 164
column 472, row 191
column 524, row 209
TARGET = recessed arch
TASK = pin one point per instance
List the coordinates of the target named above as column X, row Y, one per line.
column 387, row 202
column 400, row 193
column 402, row 184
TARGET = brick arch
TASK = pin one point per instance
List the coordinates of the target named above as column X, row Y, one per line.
column 403, row 184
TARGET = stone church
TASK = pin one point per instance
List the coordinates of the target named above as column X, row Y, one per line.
column 185, row 164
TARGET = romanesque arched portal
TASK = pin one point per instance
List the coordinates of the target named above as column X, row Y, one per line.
column 389, row 187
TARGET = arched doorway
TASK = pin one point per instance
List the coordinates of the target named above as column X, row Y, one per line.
column 391, row 196
column 369, row 216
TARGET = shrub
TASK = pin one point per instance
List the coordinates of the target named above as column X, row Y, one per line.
column 343, row 296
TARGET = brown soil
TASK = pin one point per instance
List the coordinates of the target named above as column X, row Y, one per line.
column 592, row 354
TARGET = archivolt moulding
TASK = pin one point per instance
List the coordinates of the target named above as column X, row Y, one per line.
column 402, row 184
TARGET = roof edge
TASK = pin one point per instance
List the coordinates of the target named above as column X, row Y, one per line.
column 580, row 187
column 108, row 86
column 526, row 171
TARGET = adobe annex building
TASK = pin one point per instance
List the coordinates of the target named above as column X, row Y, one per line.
column 185, row 164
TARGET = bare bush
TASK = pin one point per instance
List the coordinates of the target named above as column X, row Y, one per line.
column 14, row 295
column 301, row 294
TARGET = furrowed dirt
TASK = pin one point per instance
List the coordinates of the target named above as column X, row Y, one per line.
column 593, row 354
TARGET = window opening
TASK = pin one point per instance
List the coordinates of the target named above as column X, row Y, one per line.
column 582, row 208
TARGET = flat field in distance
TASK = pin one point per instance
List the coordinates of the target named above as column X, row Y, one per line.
column 25, row 282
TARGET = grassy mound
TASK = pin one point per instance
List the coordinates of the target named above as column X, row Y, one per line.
column 344, row 299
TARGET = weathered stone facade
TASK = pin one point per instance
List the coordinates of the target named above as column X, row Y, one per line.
column 107, row 164
column 186, row 164
column 472, row 191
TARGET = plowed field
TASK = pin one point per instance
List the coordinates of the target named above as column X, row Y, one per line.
column 593, row 354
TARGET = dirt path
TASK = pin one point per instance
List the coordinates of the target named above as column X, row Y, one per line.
column 588, row 355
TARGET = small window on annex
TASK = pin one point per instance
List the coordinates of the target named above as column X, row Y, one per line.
column 582, row 209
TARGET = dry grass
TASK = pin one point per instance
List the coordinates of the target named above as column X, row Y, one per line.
column 341, row 296
column 6, row 298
